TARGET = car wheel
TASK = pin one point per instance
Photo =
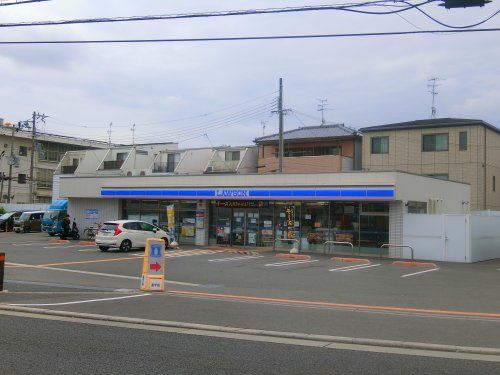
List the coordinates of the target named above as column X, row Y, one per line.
column 52, row 234
column 166, row 242
column 26, row 229
column 126, row 246
column 103, row 248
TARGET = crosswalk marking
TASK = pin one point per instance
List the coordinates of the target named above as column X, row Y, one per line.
column 290, row 263
column 354, row 268
column 236, row 258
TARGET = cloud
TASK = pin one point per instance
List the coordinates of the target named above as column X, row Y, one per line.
column 367, row 80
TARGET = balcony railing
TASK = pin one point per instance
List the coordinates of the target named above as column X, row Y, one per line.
column 113, row 164
column 222, row 166
column 68, row 169
column 164, row 167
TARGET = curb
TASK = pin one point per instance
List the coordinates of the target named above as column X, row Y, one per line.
column 351, row 260
column 59, row 241
column 92, row 243
column 258, row 332
column 294, row 256
column 413, row 264
column 244, row 252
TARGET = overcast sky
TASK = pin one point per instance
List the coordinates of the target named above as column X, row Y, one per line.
column 180, row 91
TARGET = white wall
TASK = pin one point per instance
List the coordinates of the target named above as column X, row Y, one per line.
column 485, row 236
column 453, row 238
column 108, row 209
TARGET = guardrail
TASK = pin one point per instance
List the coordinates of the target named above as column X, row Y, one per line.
column 296, row 245
column 337, row 243
column 401, row 246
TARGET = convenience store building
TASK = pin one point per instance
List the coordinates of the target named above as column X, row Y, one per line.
column 261, row 210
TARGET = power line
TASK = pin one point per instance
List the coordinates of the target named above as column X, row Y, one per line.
column 207, row 114
column 20, row 2
column 249, row 38
column 350, row 7
column 452, row 26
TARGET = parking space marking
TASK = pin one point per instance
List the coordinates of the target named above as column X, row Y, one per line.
column 418, row 273
column 70, row 263
column 347, row 267
column 290, row 263
column 98, row 273
column 32, row 243
column 358, row 267
column 64, row 247
column 248, row 257
column 80, row 302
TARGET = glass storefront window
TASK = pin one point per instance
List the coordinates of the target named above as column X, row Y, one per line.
column 286, row 223
column 315, row 228
column 344, row 222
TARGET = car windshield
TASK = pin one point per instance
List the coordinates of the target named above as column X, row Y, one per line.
column 24, row 216
column 51, row 215
column 6, row 215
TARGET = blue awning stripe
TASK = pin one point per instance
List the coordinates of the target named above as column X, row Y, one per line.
column 246, row 194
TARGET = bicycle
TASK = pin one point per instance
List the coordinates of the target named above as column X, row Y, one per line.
column 91, row 232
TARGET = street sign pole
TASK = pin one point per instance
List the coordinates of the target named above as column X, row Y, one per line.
column 153, row 268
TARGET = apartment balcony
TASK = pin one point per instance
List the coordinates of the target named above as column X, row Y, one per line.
column 222, row 166
column 112, row 164
column 68, row 169
column 164, row 167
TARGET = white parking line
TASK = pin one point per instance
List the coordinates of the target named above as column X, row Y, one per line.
column 96, row 273
column 237, row 258
column 418, row 273
column 83, row 250
column 355, row 268
column 65, row 247
column 290, row 263
column 78, row 302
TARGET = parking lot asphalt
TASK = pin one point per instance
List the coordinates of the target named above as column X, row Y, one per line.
column 450, row 303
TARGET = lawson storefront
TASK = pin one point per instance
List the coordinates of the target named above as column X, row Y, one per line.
column 259, row 217
column 366, row 209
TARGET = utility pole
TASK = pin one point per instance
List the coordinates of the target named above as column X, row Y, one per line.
column 11, row 162
column 281, row 147
column 32, row 156
column 42, row 117
column 263, row 123
column 133, row 136
column 322, row 108
column 109, row 134
column 2, row 176
column 433, row 90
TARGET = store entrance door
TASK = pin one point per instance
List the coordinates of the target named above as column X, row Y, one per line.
column 245, row 230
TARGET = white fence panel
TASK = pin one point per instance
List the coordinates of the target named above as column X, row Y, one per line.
column 425, row 233
column 456, row 231
column 485, row 236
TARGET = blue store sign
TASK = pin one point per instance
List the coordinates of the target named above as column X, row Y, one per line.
column 340, row 193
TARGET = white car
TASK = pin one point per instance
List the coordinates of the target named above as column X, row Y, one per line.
column 127, row 234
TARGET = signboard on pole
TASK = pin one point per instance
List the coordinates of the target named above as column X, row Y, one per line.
column 153, row 268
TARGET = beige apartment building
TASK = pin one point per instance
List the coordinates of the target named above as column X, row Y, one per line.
column 461, row 150
column 49, row 150
column 318, row 149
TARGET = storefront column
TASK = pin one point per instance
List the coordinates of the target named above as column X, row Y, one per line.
column 202, row 223
column 395, row 228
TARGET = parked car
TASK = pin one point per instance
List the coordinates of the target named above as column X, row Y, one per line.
column 7, row 220
column 127, row 234
column 29, row 222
